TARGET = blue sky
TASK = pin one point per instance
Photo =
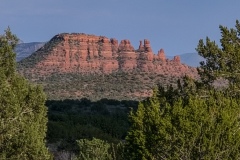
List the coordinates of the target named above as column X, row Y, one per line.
column 174, row 25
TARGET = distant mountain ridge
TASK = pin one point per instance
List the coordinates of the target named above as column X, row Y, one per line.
column 191, row 59
column 24, row 50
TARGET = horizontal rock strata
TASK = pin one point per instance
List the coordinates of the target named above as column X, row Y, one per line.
column 84, row 53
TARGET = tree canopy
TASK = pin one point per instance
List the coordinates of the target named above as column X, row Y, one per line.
column 221, row 61
column 94, row 149
column 190, row 128
column 22, row 110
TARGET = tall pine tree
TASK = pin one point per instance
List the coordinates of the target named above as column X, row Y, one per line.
column 22, row 111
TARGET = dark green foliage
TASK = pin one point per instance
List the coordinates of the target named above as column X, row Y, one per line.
column 22, row 111
column 142, row 138
column 7, row 60
column 190, row 128
column 70, row 120
column 221, row 61
column 97, row 149
column 94, row 149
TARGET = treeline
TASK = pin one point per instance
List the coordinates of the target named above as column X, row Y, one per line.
column 71, row 120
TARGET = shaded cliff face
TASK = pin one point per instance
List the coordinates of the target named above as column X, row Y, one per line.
column 82, row 53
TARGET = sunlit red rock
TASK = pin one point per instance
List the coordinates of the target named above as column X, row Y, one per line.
column 161, row 55
column 84, row 53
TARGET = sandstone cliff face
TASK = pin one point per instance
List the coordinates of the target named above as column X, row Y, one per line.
column 84, row 53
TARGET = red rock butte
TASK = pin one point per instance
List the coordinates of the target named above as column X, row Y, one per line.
column 82, row 53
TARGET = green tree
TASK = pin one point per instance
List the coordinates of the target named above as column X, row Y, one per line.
column 142, row 138
column 221, row 61
column 194, row 121
column 192, row 128
column 22, row 111
column 94, row 149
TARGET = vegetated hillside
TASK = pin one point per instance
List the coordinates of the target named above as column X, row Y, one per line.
column 119, row 85
column 24, row 50
column 80, row 65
